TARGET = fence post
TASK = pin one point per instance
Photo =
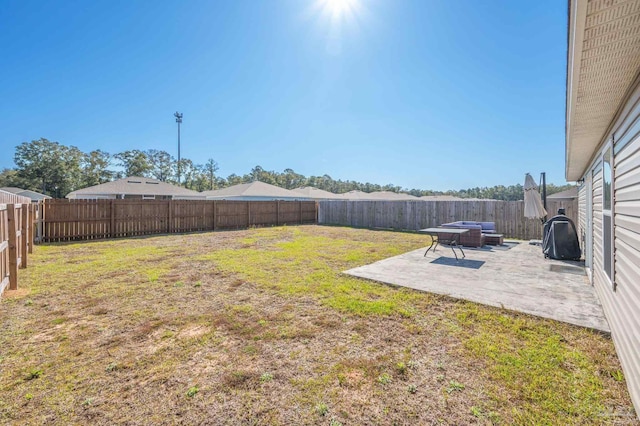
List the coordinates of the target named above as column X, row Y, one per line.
column 248, row 214
column 24, row 231
column 300, row 212
column 203, row 221
column 32, row 226
column 13, row 249
column 40, row 219
column 214, row 215
column 277, row 212
column 169, row 216
column 112, row 219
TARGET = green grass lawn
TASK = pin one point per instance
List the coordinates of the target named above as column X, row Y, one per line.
column 261, row 327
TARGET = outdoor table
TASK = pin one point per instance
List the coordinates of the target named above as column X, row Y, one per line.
column 449, row 236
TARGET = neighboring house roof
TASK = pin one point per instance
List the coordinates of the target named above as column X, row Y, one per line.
column 253, row 189
column 377, row 196
column 569, row 193
column 602, row 62
column 134, row 185
column 393, row 196
column 12, row 189
column 35, row 196
column 355, row 195
column 441, row 198
column 315, row 193
column 7, row 197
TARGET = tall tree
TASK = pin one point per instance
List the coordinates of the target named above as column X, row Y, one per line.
column 162, row 164
column 135, row 163
column 210, row 168
column 234, row 179
column 9, row 177
column 201, row 180
column 290, row 179
column 95, row 168
column 49, row 167
column 188, row 173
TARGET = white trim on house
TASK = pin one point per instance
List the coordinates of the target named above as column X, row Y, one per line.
column 577, row 17
column 608, row 258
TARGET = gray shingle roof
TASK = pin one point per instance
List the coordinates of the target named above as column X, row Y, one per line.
column 253, row 189
column 441, row 198
column 12, row 189
column 569, row 193
column 378, row 195
column 315, row 193
column 25, row 193
column 135, row 186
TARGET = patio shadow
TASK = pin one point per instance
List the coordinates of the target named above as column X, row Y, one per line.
column 462, row 263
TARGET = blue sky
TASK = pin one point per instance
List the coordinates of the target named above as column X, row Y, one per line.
column 423, row 94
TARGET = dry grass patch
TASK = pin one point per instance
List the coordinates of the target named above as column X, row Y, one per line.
column 260, row 327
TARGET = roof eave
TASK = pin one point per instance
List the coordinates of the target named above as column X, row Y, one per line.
column 575, row 35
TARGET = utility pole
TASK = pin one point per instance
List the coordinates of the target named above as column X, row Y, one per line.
column 178, row 117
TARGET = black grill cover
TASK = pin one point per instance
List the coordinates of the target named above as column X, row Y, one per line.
column 561, row 239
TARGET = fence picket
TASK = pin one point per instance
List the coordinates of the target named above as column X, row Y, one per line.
column 66, row 220
column 413, row 215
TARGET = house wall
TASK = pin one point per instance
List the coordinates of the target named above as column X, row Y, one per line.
column 93, row 197
column 132, row 197
column 620, row 297
column 140, row 197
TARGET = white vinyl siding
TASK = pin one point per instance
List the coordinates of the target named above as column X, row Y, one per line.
column 627, row 259
column 622, row 304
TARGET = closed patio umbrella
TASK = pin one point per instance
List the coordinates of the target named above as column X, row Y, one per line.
column 533, row 207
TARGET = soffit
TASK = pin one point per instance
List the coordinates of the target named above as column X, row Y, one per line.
column 604, row 45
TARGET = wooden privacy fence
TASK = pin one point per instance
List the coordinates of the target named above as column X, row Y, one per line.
column 11, row 198
column 65, row 220
column 16, row 241
column 414, row 215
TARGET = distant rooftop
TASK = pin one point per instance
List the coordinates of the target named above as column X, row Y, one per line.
column 253, row 189
column 440, row 198
column 569, row 193
column 134, row 185
column 315, row 193
column 378, row 196
column 35, row 196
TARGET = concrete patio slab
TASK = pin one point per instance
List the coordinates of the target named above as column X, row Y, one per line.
column 518, row 279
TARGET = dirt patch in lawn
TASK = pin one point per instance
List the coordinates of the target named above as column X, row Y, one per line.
column 260, row 327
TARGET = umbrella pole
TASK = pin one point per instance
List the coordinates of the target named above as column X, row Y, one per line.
column 544, row 193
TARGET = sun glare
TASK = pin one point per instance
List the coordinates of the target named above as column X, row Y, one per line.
column 338, row 18
column 339, row 8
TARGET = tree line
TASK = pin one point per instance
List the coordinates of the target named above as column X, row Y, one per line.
column 55, row 169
